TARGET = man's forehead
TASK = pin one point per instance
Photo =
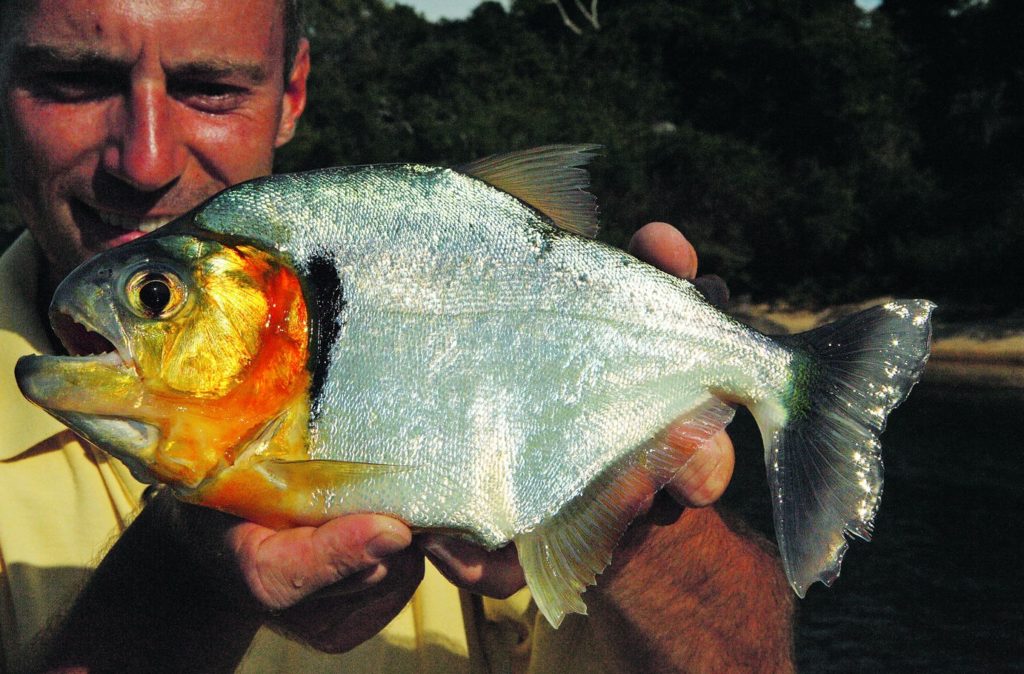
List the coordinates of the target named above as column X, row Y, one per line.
column 210, row 26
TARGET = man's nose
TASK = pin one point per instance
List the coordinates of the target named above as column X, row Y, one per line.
column 147, row 150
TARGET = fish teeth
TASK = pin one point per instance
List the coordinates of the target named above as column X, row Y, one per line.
column 133, row 223
column 110, row 358
column 117, row 356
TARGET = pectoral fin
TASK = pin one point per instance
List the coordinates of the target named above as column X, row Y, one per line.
column 314, row 473
column 280, row 494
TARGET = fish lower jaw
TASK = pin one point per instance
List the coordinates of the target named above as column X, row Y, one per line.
column 131, row 441
column 110, row 359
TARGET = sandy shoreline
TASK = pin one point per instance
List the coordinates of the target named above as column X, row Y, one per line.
column 976, row 353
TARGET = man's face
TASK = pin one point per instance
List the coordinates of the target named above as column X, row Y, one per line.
column 122, row 114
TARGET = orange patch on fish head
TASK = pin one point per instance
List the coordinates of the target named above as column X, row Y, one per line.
column 226, row 369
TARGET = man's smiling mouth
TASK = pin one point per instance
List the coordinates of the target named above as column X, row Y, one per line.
column 124, row 221
column 133, row 223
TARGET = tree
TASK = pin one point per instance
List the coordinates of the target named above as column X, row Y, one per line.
column 970, row 113
column 590, row 15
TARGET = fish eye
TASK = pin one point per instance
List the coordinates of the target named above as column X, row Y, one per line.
column 155, row 294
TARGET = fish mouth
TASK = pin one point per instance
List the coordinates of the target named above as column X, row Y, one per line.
column 98, row 376
column 82, row 339
column 94, row 390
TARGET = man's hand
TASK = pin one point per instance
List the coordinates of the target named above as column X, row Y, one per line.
column 700, row 482
column 704, row 477
column 348, row 555
column 332, row 586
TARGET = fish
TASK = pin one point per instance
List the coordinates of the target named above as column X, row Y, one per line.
column 454, row 348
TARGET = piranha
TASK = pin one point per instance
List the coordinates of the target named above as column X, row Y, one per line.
column 453, row 348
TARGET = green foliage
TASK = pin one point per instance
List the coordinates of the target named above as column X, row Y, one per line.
column 812, row 151
column 969, row 112
column 775, row 133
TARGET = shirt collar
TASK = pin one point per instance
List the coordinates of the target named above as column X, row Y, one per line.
column 22, row 332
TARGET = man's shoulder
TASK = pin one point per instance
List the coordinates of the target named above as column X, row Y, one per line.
column 19, row 271
column 22, row 332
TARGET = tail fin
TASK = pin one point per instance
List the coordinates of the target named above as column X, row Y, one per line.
column 821, row 440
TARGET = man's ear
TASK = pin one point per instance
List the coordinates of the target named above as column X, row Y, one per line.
column 294, row 100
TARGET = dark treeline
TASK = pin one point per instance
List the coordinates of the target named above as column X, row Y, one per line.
column 814, row 152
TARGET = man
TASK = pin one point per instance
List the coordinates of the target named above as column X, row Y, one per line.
column 119, row 115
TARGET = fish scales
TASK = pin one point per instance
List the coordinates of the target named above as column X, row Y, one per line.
column 454, row 320
column 447, row 346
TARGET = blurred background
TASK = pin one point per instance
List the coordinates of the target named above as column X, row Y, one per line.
column 819, row 153
column 815, row 151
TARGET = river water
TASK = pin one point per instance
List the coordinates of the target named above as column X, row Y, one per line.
column 941, row 585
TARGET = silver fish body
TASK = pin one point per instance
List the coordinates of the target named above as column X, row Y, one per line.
column 505, row 362
column 515, row 381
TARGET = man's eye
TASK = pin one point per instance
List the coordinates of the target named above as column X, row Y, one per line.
column 73, row 87
column 214, row 97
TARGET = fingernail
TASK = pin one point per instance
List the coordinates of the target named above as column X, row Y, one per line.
column 441, row 558
column 387, row 542
column 714, row 289
column 436, row 548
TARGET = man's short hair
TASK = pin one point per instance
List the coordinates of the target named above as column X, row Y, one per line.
column 294, row 29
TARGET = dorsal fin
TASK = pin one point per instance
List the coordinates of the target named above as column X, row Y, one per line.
column 547, row 178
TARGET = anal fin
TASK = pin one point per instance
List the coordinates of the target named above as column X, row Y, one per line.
column 563, row 555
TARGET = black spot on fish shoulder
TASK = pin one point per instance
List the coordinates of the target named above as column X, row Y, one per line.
column 327, row 317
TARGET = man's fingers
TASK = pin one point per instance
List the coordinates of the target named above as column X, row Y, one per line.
column 704, row 477
column 665, row 247
column 283, row 567
column 662, row 245
column 493, row 573
column 714, row 289
column 335, row 623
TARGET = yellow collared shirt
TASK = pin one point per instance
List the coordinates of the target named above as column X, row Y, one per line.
column 61, row 502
